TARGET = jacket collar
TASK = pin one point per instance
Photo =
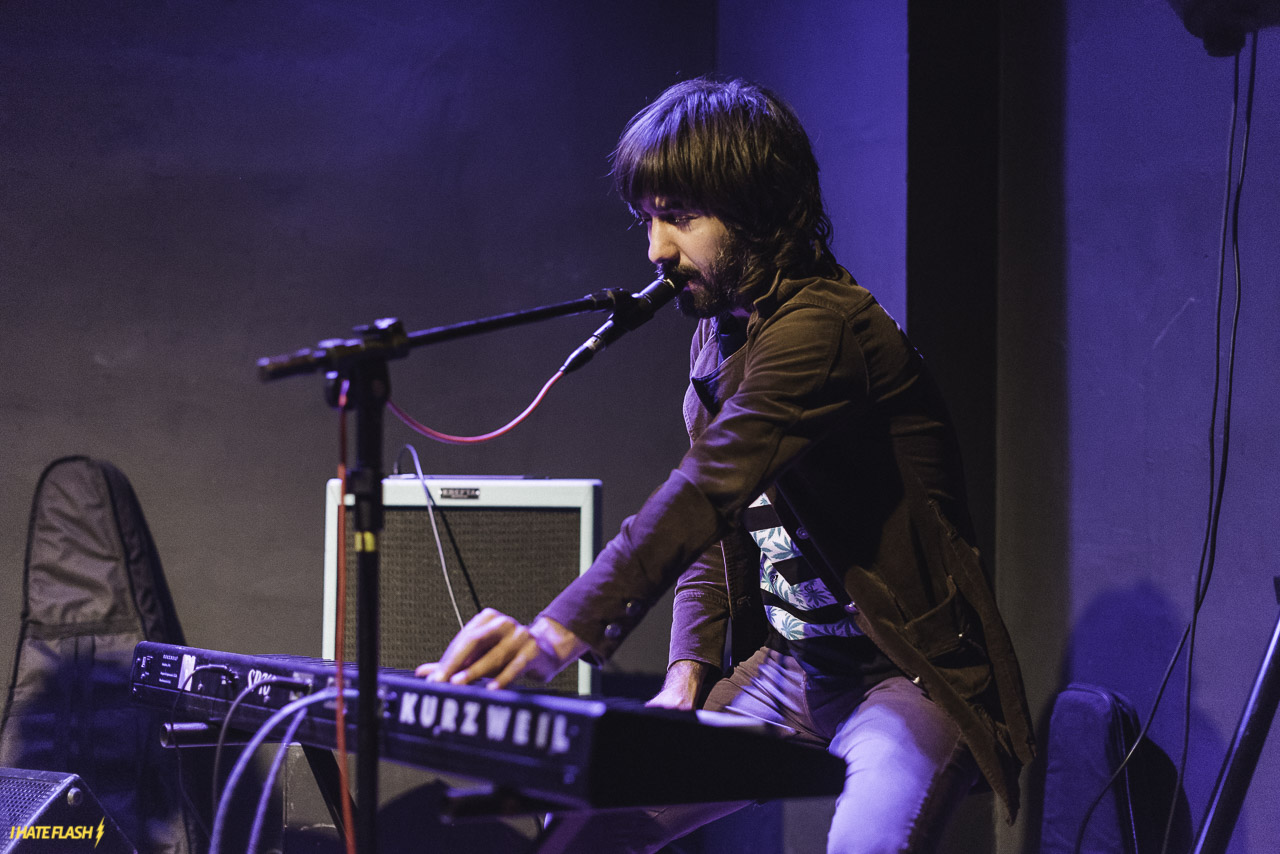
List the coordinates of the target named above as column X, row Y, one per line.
column 782, row 289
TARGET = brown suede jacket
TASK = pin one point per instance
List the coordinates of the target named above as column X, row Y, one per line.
column 830, row 408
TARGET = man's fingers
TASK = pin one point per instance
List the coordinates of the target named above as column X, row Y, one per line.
column 670, row 700
column 527, row 659
column 498, row 658
column 497, row 646
column 475, row 640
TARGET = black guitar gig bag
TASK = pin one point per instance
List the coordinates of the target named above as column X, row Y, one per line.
column 92, row 589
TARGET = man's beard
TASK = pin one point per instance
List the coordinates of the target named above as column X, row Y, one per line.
column 718, row 287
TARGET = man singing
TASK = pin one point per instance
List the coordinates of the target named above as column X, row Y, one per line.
column 819, row 512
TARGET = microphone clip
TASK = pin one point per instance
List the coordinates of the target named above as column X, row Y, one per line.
column 630, row 310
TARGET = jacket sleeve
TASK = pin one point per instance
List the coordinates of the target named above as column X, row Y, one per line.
column 700, row 611
column 803, row 376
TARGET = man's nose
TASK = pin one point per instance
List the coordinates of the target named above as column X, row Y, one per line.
column 662, row 249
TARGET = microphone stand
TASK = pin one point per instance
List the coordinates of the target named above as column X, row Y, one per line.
column 362, row 364
column 1243, row 754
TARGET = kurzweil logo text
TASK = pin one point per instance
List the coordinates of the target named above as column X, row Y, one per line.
column 542, row 731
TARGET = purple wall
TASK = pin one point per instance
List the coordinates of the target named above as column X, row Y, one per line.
column 188, row 186
column 1115, row 159
column 843, row 67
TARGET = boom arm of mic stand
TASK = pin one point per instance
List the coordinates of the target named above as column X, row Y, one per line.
column 385, row 340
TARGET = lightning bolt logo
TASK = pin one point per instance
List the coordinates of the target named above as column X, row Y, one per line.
column 101, row 822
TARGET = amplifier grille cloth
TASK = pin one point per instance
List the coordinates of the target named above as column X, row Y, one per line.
column 21, row 800
column 515, row 558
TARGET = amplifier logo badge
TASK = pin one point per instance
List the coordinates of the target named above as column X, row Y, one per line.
column 469, row 493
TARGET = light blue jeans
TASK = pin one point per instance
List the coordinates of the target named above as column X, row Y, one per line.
column 908, row 768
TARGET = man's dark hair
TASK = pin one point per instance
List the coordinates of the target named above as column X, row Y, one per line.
column 736, row 151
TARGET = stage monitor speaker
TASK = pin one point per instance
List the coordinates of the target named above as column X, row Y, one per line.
column 509, row 543
column 42, row 811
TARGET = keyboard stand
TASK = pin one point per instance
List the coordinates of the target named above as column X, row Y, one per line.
column 322, row 762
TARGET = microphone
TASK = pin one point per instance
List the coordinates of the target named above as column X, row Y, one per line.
column 632, row 310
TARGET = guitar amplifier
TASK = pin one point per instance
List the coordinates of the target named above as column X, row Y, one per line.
column 509, row 543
